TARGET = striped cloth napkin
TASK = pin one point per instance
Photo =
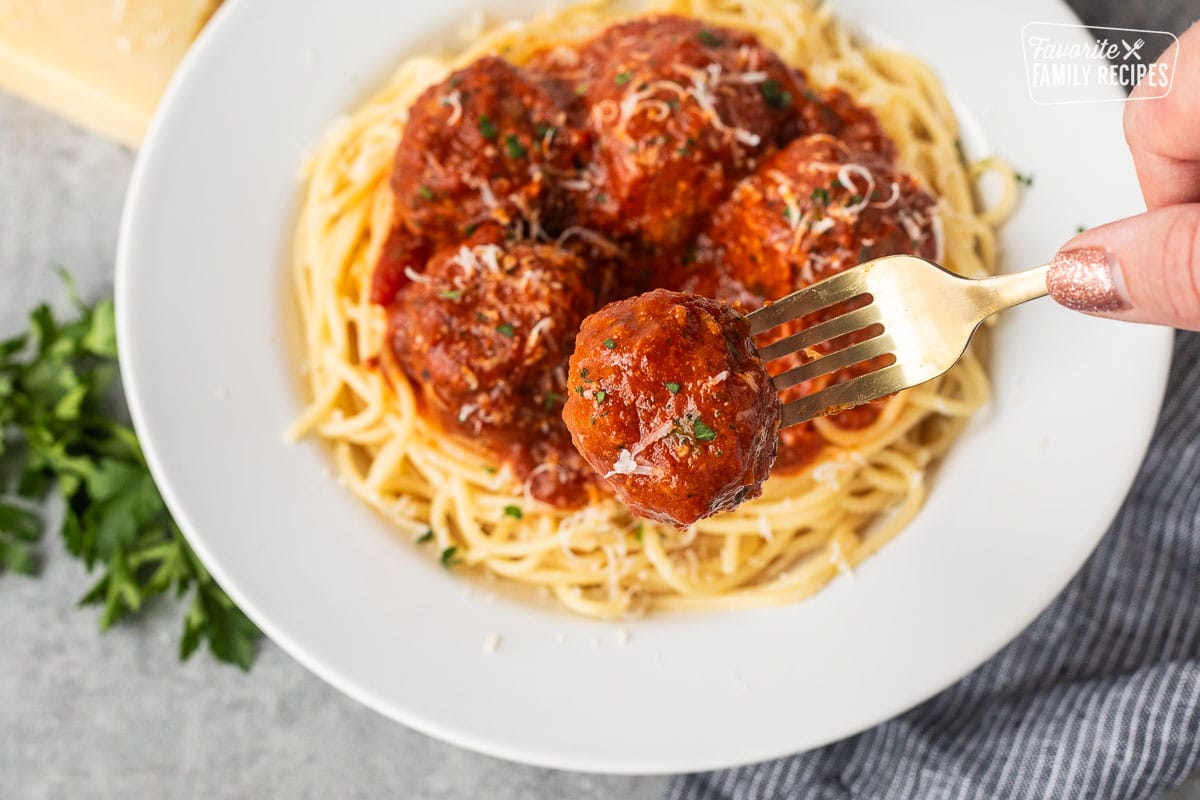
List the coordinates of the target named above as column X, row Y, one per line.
column 1098, row 699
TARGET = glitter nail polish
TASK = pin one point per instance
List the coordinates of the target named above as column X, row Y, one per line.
column 1085, row 279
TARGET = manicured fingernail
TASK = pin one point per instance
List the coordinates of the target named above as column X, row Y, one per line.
column 1086, row 279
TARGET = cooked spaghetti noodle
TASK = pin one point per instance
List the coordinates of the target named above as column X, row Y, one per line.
column 598, row 560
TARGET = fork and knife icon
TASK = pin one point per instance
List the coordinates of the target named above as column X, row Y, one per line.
column 1131, row 50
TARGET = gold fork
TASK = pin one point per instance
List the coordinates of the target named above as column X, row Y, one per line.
column 921, row 314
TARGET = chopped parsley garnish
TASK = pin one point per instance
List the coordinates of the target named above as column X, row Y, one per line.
column 579, row 390
column 787, row 213
column 623, row 78
column 487, row 128
column 709, row 39
column 506, row 329
column 1024, row 180
column 854, row 200
column 610, row 344
column 820, row 195
column 514, row 147
column 450, row 557
column 583, row 373
column 552, row 399
column 962, row 155
column 427, row 536
column 425, row 192
column 602, row 198
column 702, row 432
column 513, row 511
column 774, row 94
column 489, row 469
column 450, row 294
column 673, row 387
column 543, row 129
column 581, row 90
column 470, row 229
column 637, row 531
column 600, row 395
column 1080, row 228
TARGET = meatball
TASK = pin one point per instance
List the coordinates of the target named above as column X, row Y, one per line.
column 485, row 333
column 835, row 112
column 680, row 112
column 814, row 209
column 488, row 144
column 669, row 401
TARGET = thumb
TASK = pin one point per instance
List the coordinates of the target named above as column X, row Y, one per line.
column 1141, row 269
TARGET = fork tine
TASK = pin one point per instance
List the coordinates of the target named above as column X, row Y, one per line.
column 843, row 286
column 830, row 329
column 846, row 357
column 853, row 392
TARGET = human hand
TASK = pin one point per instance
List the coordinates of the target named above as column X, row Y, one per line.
column 1146, row 268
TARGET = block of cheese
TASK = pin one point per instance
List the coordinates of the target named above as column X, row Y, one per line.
column 101, row 63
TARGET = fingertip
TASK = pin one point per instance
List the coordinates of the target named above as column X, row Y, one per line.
column 1086, row 279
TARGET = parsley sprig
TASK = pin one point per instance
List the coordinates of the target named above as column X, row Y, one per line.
column 55, row 433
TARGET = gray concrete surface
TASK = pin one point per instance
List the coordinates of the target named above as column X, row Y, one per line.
column 115, row 715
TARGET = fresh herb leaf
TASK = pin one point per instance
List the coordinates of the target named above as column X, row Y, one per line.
column 1023, row 179
column 1080, row 228
column 487, row 128
column 425, row 192
column 610, row 344
column 450, row 294
column 702, row 432
column 55, row 433
column 513, row 511
column 450, row 558
column 552, row 399
column 775, row 95
column 506, row 329
column 623, row 78
column 709, row 39
column 427, row 536
column 820, row 195
column 489, row 469
column 638, row 529
column 601, row 395
column 514, row 147
column 673, row 387
column 962, row 154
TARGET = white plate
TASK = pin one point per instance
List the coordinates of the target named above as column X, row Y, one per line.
column 205, row 314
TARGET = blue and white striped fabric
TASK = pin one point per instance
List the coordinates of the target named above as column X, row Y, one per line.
column 1098, row 699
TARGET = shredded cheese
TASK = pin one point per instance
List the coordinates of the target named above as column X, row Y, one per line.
column 625, row 465
column 454, row 101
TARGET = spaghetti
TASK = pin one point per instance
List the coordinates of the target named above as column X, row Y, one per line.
column 599, row 560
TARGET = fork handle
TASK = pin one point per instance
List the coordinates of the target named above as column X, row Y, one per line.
column 1005, row 291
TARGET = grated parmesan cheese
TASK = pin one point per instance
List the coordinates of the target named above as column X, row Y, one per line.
column 625, row 465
